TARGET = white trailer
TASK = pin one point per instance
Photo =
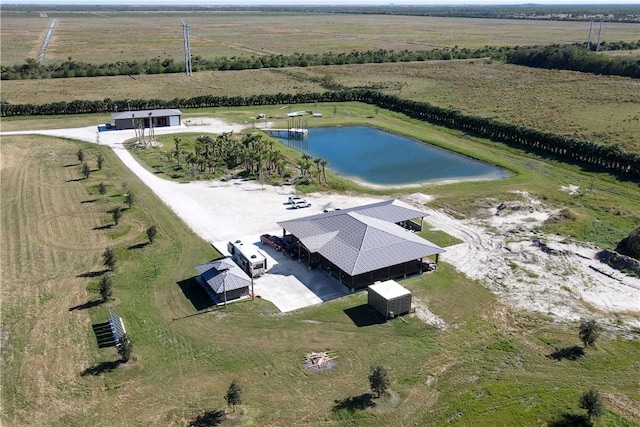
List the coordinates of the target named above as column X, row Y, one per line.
column 250, row 260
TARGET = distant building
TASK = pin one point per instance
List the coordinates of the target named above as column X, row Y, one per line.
column 159, row 118
column 389, row 298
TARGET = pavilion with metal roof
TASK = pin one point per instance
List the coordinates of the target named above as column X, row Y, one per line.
column 223, row 280
column 362, row 245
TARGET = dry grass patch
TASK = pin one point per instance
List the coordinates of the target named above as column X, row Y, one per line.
column 124, row 36
column 598, row 108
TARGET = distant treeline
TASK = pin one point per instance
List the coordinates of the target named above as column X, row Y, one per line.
column 566, row 12
column 575, row 59
column 603, row 157
column 31, row 69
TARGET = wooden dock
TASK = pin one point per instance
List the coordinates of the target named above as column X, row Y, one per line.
column 292, row 133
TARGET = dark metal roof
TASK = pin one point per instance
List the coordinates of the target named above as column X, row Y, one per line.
column 389, row 210
column 360, row 240
column 144, row 114
column 223, row 275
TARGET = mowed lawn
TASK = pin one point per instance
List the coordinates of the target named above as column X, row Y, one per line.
column 490, row 366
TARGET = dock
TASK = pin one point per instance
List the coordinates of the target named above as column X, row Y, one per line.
column 292, row 133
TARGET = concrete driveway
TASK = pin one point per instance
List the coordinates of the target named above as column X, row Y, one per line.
column 289, row 284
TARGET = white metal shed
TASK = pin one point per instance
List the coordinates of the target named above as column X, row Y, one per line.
column 389, row 298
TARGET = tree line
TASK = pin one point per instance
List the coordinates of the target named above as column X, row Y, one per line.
column 605, row 157
column 559, row 12
column 32, row 69
column 577, row 58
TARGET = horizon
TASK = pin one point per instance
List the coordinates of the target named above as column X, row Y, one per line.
column 320, row 3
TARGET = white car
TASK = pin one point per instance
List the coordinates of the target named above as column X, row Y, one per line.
column 297, row 202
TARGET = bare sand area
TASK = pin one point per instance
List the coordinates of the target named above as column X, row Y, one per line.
column 502, row 250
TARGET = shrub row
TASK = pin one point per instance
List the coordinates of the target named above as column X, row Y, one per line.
column 576, row 58
column 31, row 69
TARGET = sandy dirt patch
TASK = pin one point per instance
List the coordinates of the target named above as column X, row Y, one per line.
column 531, row 271
column 534, row 271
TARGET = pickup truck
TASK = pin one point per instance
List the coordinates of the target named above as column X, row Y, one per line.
column 274, row 241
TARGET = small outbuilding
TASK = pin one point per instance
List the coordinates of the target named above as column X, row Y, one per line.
column 157, row 118
column 389, row 298
column 223, row 280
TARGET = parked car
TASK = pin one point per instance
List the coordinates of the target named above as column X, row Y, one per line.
column 274, row 241
column 298, row 202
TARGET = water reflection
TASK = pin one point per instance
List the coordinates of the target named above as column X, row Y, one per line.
column 377, row 157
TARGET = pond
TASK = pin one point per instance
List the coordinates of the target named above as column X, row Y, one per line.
column 375, row 157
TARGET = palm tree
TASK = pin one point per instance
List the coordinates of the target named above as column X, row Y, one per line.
column 176, row 152
column 317, row 161
column 152, row 134
column 324, row 163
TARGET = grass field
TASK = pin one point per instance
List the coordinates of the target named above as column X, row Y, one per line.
column 491, row 366
column 115, row 36
column 597, row 108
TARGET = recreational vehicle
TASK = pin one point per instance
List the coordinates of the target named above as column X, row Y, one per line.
column 248, row 258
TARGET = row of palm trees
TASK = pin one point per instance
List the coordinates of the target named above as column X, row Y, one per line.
column 306, row 162
column 607, row 157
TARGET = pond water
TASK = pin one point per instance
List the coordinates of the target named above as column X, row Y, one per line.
column 376, row 157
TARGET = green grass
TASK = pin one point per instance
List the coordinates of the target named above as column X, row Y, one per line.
column 490, row 366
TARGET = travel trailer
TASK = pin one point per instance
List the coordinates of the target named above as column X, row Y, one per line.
column 250, row 260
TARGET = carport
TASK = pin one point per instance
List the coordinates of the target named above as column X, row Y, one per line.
column 360, row 246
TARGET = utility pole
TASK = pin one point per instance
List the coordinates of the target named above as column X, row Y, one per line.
column 186, row 31
column 599, row 31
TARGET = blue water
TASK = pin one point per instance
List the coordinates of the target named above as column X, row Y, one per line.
column 381, row 158
column 45, row 43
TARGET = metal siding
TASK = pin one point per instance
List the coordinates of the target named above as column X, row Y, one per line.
column 174, row 121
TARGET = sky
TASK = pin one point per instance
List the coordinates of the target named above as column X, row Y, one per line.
column 316, row 2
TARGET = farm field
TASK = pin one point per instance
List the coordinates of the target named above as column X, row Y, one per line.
column 118, row 36
column 597, row 108
column 491, row 365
